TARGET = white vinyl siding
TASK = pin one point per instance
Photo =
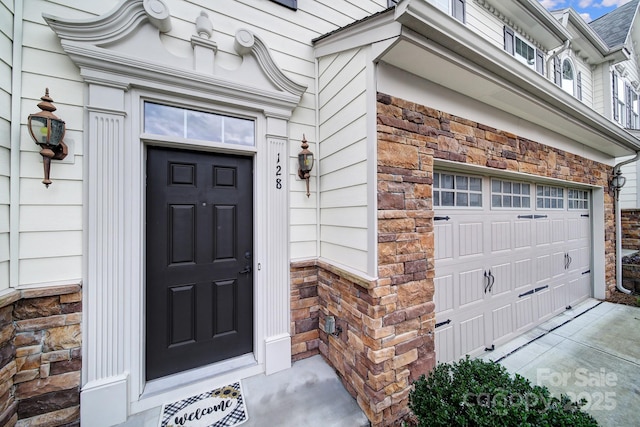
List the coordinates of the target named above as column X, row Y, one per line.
column 50, row 242
column 343, row 164
column 485, row 24
column 602, row 91
column 288, row 34
column 629, row 193
column 6, row 52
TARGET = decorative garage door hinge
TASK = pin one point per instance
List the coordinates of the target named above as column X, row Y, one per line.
column 446, row 322
column 441, row 218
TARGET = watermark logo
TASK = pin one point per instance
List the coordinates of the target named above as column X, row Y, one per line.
column 594, row 387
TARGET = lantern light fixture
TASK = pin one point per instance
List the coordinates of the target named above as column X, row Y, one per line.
column 305, row 162
column 618, row 181
column 47, row 130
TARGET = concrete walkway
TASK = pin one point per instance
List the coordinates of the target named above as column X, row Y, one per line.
column 309, row 394
column 591, row 351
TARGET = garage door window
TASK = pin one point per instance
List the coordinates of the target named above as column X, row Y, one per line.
column 457, row 190
column 578, row 199
column 510, row 194
column 549, row 197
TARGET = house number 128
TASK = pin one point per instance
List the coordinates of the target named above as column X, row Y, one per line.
column 278, row 174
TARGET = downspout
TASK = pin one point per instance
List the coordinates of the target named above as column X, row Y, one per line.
column 564, row 47
column 617, row 174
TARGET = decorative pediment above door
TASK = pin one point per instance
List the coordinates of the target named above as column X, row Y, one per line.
column 128, row 42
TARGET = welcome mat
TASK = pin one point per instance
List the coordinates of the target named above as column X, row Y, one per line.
column 222, row 407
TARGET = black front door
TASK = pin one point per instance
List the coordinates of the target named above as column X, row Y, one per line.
column 199, row 290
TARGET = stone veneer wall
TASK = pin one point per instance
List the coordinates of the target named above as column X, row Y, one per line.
column 409, row 134
column 305, row 310
column 630, row 228
column 387, row 324
column 40, row 357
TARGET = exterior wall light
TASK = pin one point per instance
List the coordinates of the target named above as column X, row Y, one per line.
column 47, row 130
column 305, row 162
column 618, row 181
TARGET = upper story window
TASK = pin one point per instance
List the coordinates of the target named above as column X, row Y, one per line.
column 625, row 103
column 634, row 120
column 579, row 85
column 523, row 51
column 455, row 8
column 568, row 77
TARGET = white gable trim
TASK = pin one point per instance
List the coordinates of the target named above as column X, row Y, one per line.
column 123, row 61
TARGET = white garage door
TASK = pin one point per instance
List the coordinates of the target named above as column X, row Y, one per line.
column 508, row 256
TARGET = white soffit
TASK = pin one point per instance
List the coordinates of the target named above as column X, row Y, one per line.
column 449, row 54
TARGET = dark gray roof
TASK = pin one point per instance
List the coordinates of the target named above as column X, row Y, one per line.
column 614, row 27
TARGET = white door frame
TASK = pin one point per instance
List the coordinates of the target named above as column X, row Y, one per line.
column 113, row 348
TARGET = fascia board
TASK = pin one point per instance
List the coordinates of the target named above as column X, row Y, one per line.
column 461, row 42
column 366, row 32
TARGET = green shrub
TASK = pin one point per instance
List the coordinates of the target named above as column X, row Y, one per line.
column 472, row 392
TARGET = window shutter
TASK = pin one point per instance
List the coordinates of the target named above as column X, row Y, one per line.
column 458, row 9
column 557, row 71
column 614, row 85
column 627, row 104
column 539, row 62
column 291, row 4
column 579, row 85
column 509, row 40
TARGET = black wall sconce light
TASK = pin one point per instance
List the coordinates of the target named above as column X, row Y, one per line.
column 47, row 130
column 305, row 162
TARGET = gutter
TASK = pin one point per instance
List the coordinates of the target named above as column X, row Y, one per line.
column 617, row 173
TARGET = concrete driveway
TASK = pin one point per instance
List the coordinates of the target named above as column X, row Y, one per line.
column 591, row 351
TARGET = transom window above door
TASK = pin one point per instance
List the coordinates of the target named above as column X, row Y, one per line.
column 457, row 190
column 166, row 120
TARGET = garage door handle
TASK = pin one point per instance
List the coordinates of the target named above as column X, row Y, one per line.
column 490, row 279
column 487, row 282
